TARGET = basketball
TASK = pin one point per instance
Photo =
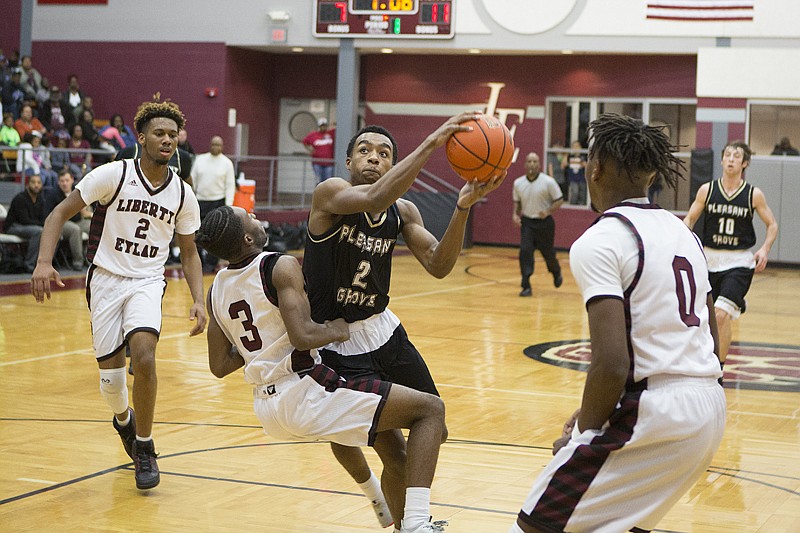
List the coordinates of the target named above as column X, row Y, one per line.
column 483, row 152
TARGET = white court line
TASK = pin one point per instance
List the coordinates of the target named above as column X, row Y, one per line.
column 73, row 352
column 453, row 289
column 40, row 481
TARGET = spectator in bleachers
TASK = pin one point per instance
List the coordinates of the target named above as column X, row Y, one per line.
column 73, row 96
column 26, row 216
column 183, row 142
column 88, row 105
column 785, row 148
column 82, row 160
column 4, row 68
column 36, row 158
column 60, row 160
column 31, row 80
column 42, row 96
column 86, row 120
column 123, row 136
column 75, row 227
column 14, row 94
column 13, row 59
column 55, row 114
column 27, row 123
column 9, row 136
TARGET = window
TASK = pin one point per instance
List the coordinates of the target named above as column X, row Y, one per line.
column 568, row 120
column 770, row 122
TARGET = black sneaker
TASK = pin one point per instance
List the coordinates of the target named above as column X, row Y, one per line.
column 127, row 433
column 526, row 292
column 144, row 462
column 558, row 280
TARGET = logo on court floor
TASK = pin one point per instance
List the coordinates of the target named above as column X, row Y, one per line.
column 749, row 365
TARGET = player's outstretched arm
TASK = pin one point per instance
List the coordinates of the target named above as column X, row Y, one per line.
column 337, row 199
column 439, row 257
column 304, row 333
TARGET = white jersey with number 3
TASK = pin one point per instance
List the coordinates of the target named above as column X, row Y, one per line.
column 649, row 259
column 245, row 305
column 133, row 224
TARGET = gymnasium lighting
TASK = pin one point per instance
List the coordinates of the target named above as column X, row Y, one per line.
column 279, row 16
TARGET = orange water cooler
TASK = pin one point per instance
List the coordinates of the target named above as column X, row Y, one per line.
column 245, row 196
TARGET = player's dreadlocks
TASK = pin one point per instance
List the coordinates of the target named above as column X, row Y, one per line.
column 155, row 109
column 221, row 233
column 636, row 147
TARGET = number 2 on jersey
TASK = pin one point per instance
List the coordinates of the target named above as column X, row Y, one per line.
column 361, row 273
column 252, row 342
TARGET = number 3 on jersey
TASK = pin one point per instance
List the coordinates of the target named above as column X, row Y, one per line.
column 252, row 341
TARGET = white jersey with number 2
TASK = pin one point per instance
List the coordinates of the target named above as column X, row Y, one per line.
column 133, row 224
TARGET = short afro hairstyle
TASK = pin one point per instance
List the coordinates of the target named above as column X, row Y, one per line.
column 156, row 109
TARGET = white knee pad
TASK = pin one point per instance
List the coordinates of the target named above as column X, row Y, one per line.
column 113, row 388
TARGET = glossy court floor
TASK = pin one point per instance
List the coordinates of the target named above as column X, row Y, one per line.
column 63, row 468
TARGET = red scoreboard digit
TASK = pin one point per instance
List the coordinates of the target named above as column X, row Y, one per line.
column 387, row 19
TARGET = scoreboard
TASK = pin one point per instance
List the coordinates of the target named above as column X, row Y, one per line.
column 385, row 19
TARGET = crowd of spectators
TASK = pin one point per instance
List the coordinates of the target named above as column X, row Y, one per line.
column 57, row 129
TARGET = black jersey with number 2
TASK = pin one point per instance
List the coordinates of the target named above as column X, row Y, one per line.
column 728, row 221
column 348, row 268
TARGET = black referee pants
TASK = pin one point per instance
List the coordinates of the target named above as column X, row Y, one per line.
column 537, row 233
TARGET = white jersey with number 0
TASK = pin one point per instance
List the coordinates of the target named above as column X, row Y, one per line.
column 133, row 224
column 648, row 258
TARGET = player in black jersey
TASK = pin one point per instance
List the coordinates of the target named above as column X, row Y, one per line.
column 728, row 234
column 352, row 229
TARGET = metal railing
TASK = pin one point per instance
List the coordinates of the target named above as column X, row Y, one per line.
column 283, row 182
column 286, row 182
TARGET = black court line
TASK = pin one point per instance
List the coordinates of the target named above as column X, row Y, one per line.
column 724, row 471
column 716, row 470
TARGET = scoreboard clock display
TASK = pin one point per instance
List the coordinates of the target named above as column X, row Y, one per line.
column 385, row 19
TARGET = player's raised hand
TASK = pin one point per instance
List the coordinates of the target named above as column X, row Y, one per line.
column 453, row 124
column 474, row 190
column 40, row 281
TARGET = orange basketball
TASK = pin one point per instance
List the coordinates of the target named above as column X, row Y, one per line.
column 484, row 152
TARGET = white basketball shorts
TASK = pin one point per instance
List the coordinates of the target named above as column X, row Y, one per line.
column 658, row 442
column 321, row 406
column 119, row 306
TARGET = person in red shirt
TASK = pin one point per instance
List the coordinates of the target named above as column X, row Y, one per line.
column 320, row 145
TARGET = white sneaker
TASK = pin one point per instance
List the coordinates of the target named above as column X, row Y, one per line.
column 427, row 527
column 382, row 513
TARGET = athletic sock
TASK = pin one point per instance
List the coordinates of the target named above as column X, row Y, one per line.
column 124, row 423
column 418, row 507
column 372, row 488
column 144, row 439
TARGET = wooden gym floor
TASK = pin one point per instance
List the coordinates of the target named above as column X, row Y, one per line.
column 62, row 465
